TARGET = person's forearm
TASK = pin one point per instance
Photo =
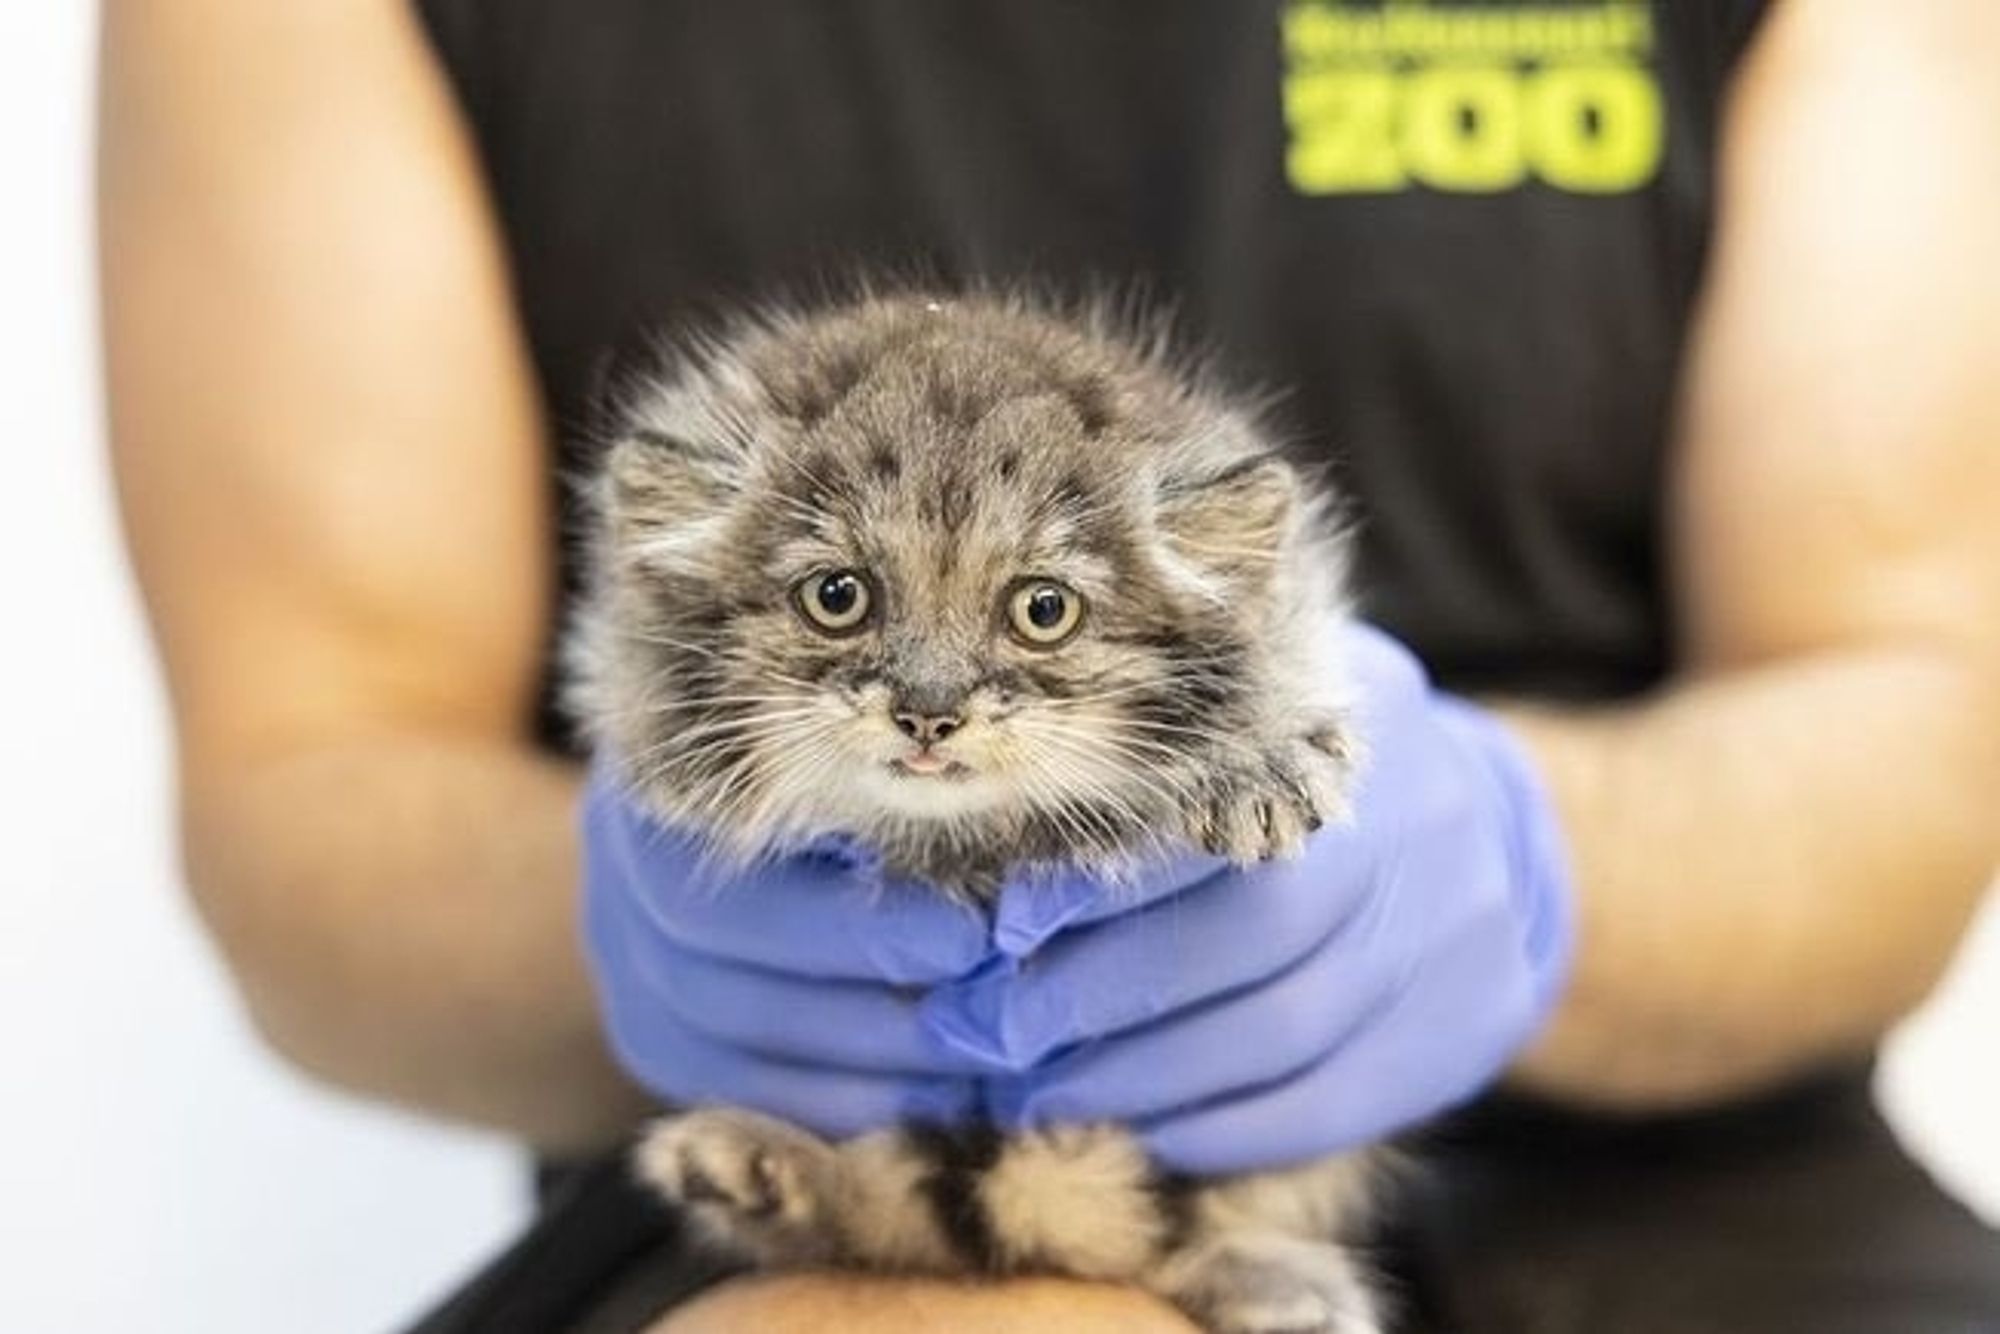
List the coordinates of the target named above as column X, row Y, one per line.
column 400, row 911
column 1772, row 866
column 883, row 1305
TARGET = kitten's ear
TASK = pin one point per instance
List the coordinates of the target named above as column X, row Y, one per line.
column 1234, row 523
column 658, row 480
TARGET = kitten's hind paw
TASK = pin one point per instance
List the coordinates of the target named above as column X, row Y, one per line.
column 1271, row 1285
column 757, row 1184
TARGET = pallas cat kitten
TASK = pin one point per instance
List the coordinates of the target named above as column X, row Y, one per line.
column 980, row 587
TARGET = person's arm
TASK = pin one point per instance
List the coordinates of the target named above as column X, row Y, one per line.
column 334, row 486
column 1777, row 855
column 333, row 479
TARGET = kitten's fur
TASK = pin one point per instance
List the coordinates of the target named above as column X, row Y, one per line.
column 948, row 449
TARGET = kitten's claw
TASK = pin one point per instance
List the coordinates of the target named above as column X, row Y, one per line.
column 1257, row 815
column 1253, row 829
column 1335, row 742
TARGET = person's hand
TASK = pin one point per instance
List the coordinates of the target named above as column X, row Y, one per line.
column 793, row 987
column 1243, row 1018
column 1251, row 1018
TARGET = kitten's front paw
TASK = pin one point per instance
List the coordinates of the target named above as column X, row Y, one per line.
column 1259, row 812
column 757, row 1183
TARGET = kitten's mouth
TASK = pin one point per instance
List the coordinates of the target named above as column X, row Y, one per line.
column 928, row 764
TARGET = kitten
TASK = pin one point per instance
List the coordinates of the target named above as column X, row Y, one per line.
column 981, row 587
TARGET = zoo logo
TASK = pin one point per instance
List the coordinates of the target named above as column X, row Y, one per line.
column 1470, row 100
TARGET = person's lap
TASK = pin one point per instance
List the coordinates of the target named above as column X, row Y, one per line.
column 1799, row 1213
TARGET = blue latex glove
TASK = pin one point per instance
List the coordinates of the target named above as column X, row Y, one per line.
column 1297, row 1008
column 794, row 988
column 1242, row 1019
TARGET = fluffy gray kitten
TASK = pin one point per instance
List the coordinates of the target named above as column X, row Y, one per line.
column 982, row 587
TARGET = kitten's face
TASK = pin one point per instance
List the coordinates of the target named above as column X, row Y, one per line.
column 947, row 661
column 955, row 592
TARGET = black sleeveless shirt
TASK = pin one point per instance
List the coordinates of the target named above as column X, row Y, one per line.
column 1463, row 239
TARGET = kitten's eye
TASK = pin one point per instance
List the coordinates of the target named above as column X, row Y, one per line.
column 836, row 603
column 1042, row 613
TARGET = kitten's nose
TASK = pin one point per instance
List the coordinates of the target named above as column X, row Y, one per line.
column 927, row 728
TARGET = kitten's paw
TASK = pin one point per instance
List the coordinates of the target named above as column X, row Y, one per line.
column 1254, row 828
column 1272, row 1285
column 758, row 1184
column 1265, row 811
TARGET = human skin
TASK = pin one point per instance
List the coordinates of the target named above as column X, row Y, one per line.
column 811, row 1303
column 334, row 482
column 1779, row 851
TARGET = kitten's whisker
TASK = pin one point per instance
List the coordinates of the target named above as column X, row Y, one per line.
column 807, row 769
column 797, row 776
column 735, row 655
column 1082, row 764
column 1139, row 745
column 725, row 732
column 773, row 739
column 1200, row 733
column 1110, row 734
column 1138, row 687
column 699, row 722
column 668, row 641
column 1259, row 555
column 729, row 752
column 1164, row 785
column 721, row 800
column 1061, row 812
column 1094, row 815
column 1176, row 791
column 832, row 495
column 748, row 723
column 1098, row 696
column 816, row 688
column 805, row 514
column 708, row 701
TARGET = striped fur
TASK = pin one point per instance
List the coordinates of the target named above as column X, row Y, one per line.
column 1256, row 1253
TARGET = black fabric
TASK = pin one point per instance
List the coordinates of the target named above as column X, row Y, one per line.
column 1487, row 371
column 602, row 1255
column 1795, row 1215
column 1799, row 1212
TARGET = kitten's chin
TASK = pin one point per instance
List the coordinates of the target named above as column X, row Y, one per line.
column 941, row 795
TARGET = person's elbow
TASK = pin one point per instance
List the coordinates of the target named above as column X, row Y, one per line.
column 262, row 842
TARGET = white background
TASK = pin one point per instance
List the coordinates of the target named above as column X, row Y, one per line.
column 157, row 1170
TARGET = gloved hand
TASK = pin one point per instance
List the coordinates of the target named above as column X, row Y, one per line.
column 794, row 988
column 1243, row 1019
column 1265, row 1016
column 797, row 987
